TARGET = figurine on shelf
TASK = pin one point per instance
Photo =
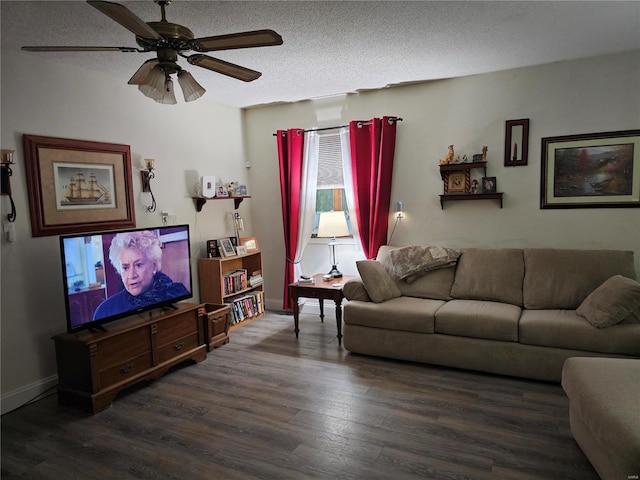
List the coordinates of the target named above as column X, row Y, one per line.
column 484, row 153
column 474, row 186
column 448, row 158
column 231, row 189
column 465, row 159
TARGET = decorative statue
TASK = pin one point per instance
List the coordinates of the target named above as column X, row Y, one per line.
column 484, row 153
column 448, row 158
column 474, row 186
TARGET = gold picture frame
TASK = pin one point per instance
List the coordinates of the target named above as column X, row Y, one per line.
column 56, row 168
column 250, row 243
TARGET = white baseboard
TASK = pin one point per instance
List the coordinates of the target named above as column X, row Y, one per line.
column 17, row 398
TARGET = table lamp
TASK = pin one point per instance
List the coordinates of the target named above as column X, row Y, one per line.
column 332, row 225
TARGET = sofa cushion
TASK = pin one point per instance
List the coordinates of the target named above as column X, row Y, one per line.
column 435, row 284
column 410, row 263
column 605, row 413
column 491, row 275
column 403, row 313
column 562, row 279
column 377, row 281
column 479, row 319
column 611, row 302
column 567, row 329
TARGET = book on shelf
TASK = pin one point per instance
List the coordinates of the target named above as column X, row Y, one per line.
column 255, row 280
column 246, row 306
column 235, row 281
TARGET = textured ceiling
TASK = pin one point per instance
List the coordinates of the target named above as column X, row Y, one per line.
column 337, row 46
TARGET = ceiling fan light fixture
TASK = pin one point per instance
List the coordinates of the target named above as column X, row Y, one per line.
column 153, row 85
column 141, row 76
column 191, row 89
column 168, row 96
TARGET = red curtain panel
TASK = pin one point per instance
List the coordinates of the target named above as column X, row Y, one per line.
column 290, row 155
column 372, row 151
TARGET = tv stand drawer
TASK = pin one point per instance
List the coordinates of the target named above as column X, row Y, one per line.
column 125, row 370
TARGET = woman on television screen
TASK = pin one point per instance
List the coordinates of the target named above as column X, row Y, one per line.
column 137, row 257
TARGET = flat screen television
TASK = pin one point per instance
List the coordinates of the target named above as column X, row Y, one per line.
column 112, row 275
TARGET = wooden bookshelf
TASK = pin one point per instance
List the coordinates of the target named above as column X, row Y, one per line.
column 246, row 300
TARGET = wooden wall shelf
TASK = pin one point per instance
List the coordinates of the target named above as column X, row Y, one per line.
column 455, row 167
column 200, row 201
column 470, row 196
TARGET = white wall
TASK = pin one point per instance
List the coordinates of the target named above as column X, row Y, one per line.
column 594, row 95
column 187, row 141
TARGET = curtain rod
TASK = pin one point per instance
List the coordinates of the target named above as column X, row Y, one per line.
column 360, row 124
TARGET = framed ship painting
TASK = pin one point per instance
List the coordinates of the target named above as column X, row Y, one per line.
column 77, row 185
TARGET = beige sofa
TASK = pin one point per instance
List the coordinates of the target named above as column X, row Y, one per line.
column 519, row 312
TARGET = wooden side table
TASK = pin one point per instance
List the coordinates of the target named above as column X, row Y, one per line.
column 321, row 290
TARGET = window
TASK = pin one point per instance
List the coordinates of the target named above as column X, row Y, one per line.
column 330, row 193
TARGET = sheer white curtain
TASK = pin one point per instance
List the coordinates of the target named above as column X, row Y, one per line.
column 348, row 185
column 308, row 186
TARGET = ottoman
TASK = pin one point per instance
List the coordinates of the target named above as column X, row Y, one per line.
column 604, row 413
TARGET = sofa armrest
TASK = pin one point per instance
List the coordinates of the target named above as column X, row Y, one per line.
column 353, row 289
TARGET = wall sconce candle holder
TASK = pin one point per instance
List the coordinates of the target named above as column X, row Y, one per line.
column 147, row 176
column 5, row 175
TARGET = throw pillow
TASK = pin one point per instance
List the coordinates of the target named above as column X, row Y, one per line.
column 377, row 282
column 612, row 302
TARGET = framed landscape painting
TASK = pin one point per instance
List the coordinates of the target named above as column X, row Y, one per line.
column 591, row 170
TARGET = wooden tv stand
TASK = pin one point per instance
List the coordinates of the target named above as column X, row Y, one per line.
column 94, row 367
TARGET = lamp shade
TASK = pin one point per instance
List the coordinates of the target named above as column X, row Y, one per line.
column 191, row 89
column 153, row 84
column 333, row 224
column 140, row 77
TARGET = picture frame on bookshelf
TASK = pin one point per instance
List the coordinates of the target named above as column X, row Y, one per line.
column 226, row 247
column 241, row 250
column 213, row 250
column 250, row 243
column 241, row 191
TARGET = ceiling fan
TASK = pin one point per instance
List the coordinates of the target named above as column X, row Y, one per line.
column 170, row 40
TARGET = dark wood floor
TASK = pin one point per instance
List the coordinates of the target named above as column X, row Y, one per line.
column 268, row 406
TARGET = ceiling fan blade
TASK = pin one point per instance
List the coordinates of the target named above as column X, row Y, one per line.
column 225, row 68
column 126, row 18
column 81, row 49
column 256, row 38
column 143, row 72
